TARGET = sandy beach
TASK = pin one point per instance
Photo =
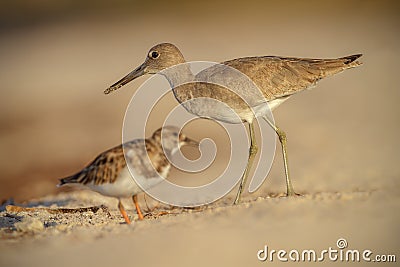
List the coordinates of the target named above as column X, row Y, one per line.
column 342, row 135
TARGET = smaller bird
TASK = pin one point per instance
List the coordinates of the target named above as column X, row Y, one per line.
column 108, row 173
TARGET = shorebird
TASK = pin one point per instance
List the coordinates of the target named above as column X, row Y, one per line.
column 278, row 78
column 108, row 173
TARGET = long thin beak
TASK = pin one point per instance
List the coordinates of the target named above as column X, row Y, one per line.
column 191, row 142
column 139, row 71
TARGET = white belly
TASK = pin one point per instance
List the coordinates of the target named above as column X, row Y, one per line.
column 125, row 185
column 273, row 104
column 212, row 109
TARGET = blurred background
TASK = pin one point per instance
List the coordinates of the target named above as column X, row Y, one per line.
column 57, row 57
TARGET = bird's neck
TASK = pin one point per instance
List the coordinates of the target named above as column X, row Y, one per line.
column 177, row 76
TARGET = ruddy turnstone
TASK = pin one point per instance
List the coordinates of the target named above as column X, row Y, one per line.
column 108, row 173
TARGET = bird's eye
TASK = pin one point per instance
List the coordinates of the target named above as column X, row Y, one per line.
column 154, row 54
column 175, row 134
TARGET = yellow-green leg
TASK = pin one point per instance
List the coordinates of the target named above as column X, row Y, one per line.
column 283, row 140
column 252, row 153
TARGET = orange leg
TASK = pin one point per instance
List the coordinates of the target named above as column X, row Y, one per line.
column 123, row 212
column 139, row 212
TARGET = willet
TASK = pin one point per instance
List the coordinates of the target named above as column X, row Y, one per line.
column 108, row 173
column 278, row 78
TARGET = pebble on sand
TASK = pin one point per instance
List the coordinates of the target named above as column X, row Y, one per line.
column 29, row 225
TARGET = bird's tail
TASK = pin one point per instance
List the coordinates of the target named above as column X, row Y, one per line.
column 351, row 61
column 73, row 179
column 327, row 67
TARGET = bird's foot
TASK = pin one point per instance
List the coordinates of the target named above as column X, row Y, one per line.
column 292, row 194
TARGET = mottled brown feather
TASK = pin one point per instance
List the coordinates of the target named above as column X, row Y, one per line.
column 106, row 167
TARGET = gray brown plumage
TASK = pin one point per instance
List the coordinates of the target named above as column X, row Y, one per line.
column 282, row 76
column 276, row 78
